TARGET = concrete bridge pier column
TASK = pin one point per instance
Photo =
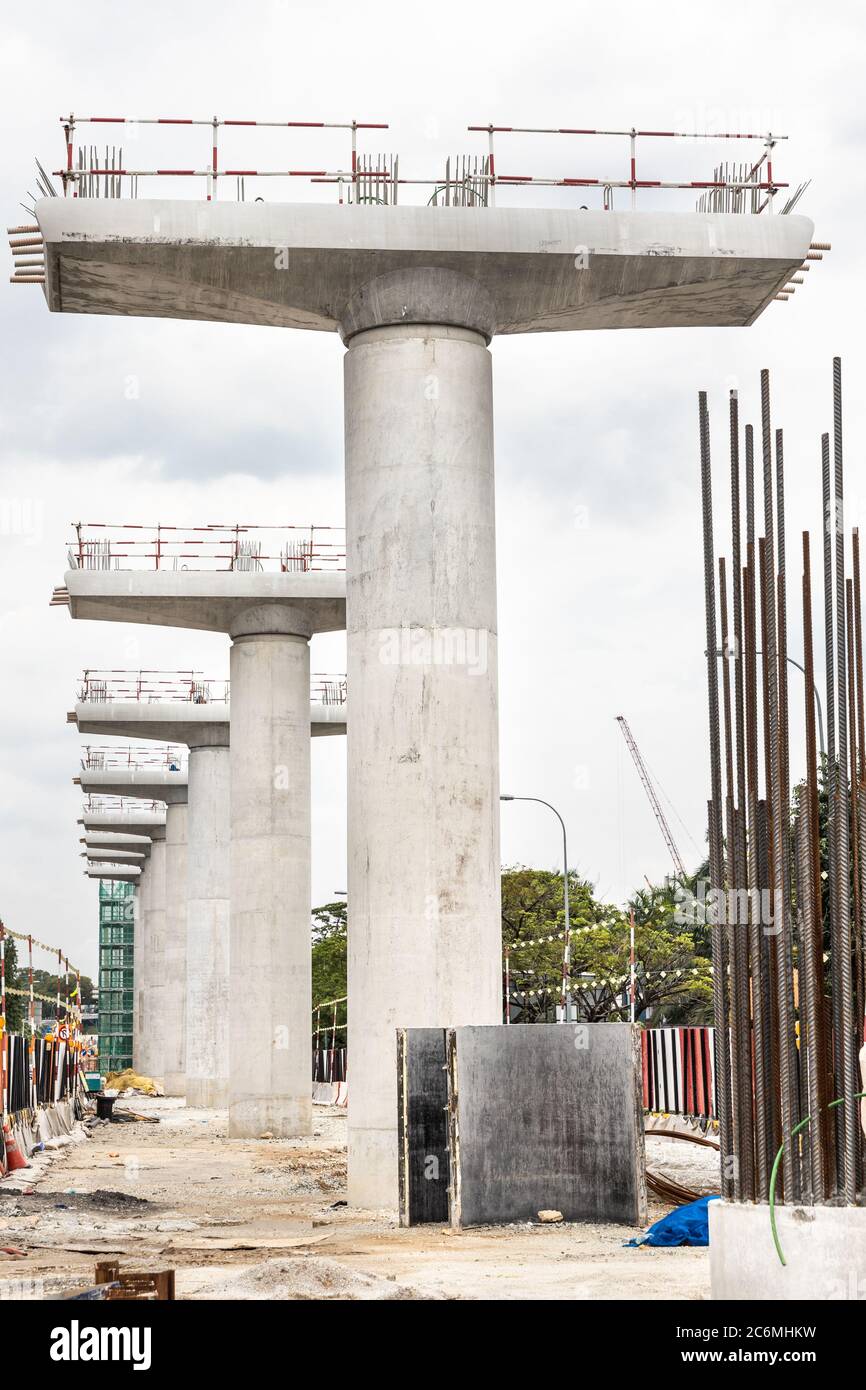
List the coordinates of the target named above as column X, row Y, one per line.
column 207, row 927
column 269, row 1025
column 173, row 1027
column 423, row 758
column 152, row 991
column 140, row 900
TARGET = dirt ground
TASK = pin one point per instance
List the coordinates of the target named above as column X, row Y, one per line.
column 266, row 1219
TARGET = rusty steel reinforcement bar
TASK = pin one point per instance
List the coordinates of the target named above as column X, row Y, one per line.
column 720, row 1008
column 741, row 878
column 813, row 944
column 809, row 1045
column 830, row 778
column 854, row 809
column 781, row 906
column 739, row 1088
column 757, row 973
column 843, row 927
column 789, row 867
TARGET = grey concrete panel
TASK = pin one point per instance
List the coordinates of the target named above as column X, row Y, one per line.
column 546, row 1116
column 422, row 1120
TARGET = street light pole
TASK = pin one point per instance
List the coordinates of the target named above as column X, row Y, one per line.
column 800, row 667
column 566, row 957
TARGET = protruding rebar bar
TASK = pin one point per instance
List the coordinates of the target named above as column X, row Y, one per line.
column 842, row 832
column 809, row 1003
column 830, row 786
column 720, row 1009
column 778, row 816
column 741, row 961
column 813, row 945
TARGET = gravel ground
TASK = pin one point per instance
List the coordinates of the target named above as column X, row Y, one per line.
column 266, row 1219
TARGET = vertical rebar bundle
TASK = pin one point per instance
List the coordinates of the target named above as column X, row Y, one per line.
column 787, row 859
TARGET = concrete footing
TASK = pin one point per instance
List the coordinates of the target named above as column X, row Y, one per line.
column 824, row 1249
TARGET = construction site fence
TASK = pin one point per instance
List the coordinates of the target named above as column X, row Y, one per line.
column 329, row 1064
column 44, row 1077
column 679, row 1070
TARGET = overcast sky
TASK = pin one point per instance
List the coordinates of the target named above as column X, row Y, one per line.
column 600, row 583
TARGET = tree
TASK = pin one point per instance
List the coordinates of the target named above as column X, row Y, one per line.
column 673, row 971
column 46, row 983
column 329, row 959
column 15, row 1003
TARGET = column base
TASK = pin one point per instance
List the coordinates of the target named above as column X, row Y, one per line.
column 284, row 1119
column 824, row 1249
column 373, row 1172
column 207, row 1093
column 175, row 1084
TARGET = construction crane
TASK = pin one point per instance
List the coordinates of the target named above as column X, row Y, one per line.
column 650, row 791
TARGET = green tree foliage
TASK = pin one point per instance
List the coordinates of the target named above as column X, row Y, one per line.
column 673, row 970
column 16, row 1006
column 674, row 979
column 46, row 983
column 329, row 961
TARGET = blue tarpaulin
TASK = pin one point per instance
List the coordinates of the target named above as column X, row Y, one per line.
column 688, row 1225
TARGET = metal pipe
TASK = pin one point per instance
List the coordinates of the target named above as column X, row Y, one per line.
column 566, row 956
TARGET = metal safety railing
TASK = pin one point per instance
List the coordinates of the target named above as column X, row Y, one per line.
column 471, row 179
column 97, row 804
column 84, row 176
column 144, row 757
column 150, row 687
column 241, row 549
column 176, row 687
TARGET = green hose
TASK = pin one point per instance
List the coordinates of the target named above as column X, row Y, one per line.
column 778, row 1159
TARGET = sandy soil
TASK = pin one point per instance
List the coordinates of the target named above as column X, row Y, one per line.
column 265, row 1219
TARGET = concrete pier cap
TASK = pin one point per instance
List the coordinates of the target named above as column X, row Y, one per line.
column 120, row 873
column 131, row 822
column 103, row 839
column 150, row 784
column 545, row 269
column 114, row 855
column 208, row 600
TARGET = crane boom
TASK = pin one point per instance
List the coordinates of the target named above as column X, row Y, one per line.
column 650, row 791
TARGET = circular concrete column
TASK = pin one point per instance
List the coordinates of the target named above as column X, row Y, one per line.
column 174, row 961
column 152, row 990
column 140, row 901
column 270, row 1069
column 423, row 796
column 207, row 928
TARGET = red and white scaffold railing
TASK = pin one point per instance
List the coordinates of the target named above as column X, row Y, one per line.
column 150, row 687
column 141, row 758
column 291, row 549
column 471, row 181
column 98, row 804
column 178, row 687
column 75, row 173
column 753, row 178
